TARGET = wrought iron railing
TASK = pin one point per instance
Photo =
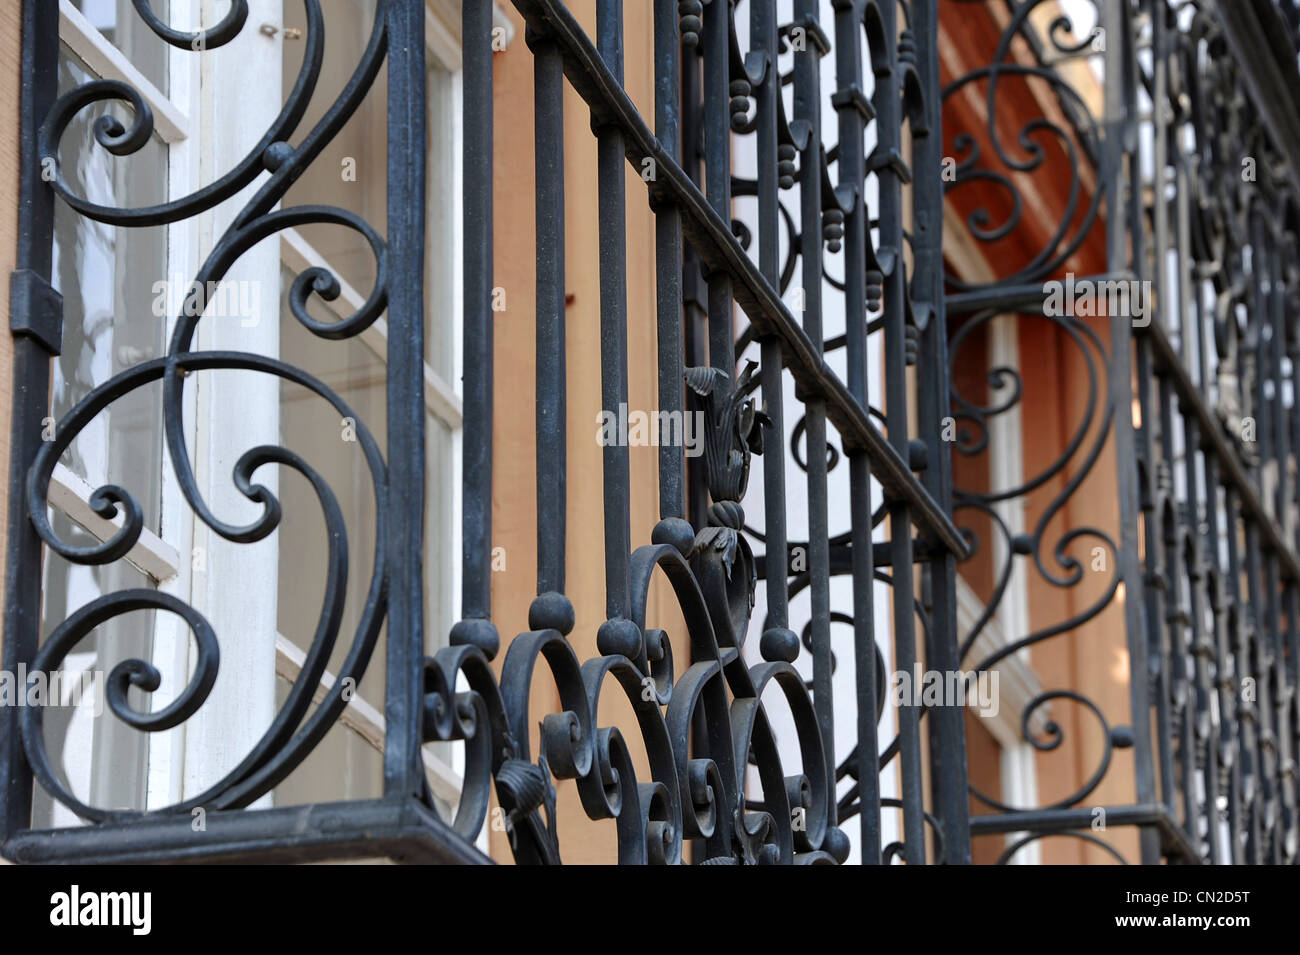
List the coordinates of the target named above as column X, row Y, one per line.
column 704, row 726
column 1181, row 200
column 1202, row 569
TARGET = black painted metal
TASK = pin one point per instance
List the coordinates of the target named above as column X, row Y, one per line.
column 1195, row 203
column 31, row 378
column 1211, row 585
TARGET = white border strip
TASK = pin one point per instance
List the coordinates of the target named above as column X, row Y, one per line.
column 71, row 495
column 439, row 398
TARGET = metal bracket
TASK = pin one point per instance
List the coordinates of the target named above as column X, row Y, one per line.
column 36, row 309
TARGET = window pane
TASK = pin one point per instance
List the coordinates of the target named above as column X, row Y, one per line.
column 107, row 277
column 342, row 766
column 442, row 280
column 111, row 279
column 351, row 172
column 312, row 428
column 100, row 759
column 122, row 26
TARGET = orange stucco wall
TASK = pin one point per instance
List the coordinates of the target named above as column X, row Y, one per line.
column 514, row 512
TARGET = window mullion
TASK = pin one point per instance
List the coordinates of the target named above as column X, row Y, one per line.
column 237, row 585
column 171, row 649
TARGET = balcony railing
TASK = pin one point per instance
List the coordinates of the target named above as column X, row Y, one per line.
column 1168, row 121
column 821, row 329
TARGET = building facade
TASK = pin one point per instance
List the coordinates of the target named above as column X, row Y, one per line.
column 411, row 410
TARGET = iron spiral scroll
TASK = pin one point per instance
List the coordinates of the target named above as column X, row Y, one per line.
column 693, row 794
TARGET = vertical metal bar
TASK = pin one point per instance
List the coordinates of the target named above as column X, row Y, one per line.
column 849, row 103
column 886, row 160
column 1153, row 398
column 1203, row 742
column 717, row 173
column 548, row 95
column 407, row 143
column 1243, row 708
column 613, row 318
column 947, row 723
column 1160, row 603
column 695, row 317
column 35, row 248
column 763, row 40
column 476, row 33
column 1169, row 654
column 694, row 311
column 807, row 109
column 1253, row 704
column 1272, row 718
column 1287, row 728
column 475, row 628
column 1200, row 644
column 1293, row 353
column 1151, row 438
column 1120, row 114
column 1225, row 673
column 668, row 266
column 1148, row 435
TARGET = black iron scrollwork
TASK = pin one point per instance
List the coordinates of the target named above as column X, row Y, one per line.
column 1206, row 588
column 296, row 727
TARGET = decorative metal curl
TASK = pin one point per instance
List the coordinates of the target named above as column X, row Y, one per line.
column 114, row 136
